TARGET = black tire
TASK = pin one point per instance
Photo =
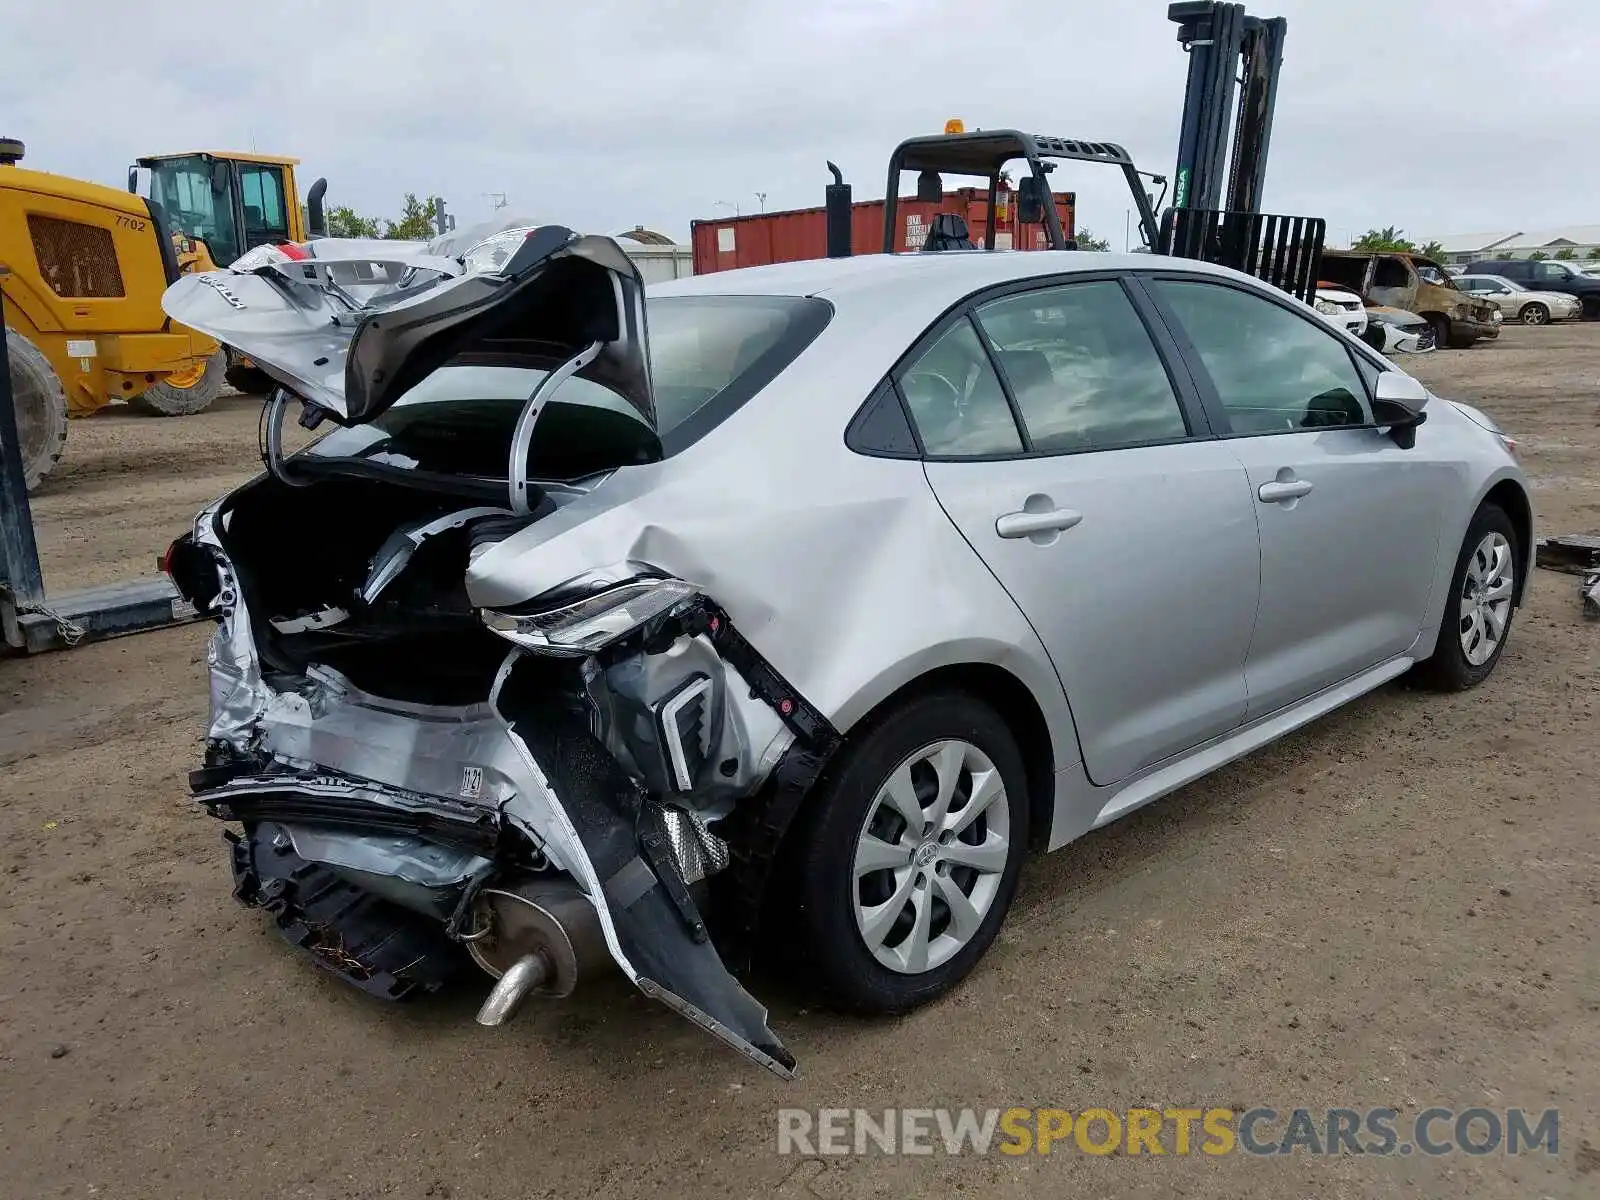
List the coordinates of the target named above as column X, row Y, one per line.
column 243, row 377
column 1448, row 669
column 1441, row 330
column 252, row 381
column 166, row 399
column 816, row 871
column 41, row 406
column 1534, row 314
column 1591, row 308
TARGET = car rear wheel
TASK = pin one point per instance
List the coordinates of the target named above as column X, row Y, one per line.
column 1482, row 599
column 907, row 859
column 1534, row 314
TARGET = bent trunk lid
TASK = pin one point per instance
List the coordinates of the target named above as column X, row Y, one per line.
column 353, row 327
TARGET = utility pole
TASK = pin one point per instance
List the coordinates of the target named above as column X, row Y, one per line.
column 498, row 199
column 728, row 204
column 762, row 198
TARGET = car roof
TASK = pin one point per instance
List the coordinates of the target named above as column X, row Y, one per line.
column 954, row 273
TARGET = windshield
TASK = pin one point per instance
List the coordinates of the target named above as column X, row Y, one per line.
column 708, row 355
column 183, row 189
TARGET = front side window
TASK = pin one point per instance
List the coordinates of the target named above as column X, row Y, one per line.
column 1082, row 368
column 1274, row 371
column 188, row 191
column 956, row 400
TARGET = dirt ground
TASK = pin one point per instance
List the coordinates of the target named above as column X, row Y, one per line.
column 1397, row 906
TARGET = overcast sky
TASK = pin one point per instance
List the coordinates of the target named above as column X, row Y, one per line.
column 1439, row 116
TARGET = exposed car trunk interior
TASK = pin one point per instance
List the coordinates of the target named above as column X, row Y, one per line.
column 302, row 556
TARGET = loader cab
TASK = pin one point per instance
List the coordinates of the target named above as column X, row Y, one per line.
column 994, row 155
column 230, row 202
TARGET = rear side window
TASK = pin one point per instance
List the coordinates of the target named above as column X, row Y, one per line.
column 1082, row 368
column 708, row 356
column 956, row 400
column 1274, row 371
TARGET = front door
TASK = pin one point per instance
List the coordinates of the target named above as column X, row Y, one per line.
column 1126, row 537
column 1349, row 521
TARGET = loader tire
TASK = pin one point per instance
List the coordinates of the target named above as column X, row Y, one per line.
column 244, row 376
column 252, row 381
column 183, row 395
column 41, row 407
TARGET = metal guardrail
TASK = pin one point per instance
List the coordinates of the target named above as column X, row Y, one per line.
column 1281, row 250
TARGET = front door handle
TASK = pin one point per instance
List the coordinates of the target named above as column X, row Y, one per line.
column 1028, row 524
column 1280, row 490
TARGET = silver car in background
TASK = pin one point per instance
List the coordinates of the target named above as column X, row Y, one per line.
column 783, row 611
column 1519, row 304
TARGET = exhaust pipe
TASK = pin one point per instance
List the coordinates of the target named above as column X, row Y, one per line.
column 316, row 222
column 838, row 210
column 533, row 937
column 527, row 974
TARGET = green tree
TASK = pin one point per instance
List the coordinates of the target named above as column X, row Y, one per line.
column 1537, row 255
column 416, row 220
column 1595, row 253
column 1566, row 252
column 1432, row 250
column 345, row 222
column 1388, row 238
column 1087, row 241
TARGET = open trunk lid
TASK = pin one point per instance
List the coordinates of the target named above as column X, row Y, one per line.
column 353, row 327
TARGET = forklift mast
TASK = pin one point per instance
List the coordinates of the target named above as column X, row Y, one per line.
column 1222, row 40
column 1227, row 46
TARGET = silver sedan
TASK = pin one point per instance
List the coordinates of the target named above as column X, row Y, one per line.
column 790, row 605
column 1519, row 304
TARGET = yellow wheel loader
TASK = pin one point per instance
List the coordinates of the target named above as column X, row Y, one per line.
column 219, row 204
column 82, row 271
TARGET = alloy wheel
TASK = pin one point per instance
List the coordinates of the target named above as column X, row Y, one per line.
column 930, row 856
column 1486, row 598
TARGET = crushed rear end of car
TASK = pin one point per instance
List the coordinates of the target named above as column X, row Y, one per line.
column 425, row 777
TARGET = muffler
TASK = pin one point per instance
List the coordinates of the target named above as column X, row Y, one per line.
column 535, row 937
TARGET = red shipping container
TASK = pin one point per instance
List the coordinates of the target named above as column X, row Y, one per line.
column 802, row 233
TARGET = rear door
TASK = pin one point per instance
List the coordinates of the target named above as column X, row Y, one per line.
column 1349, row 521
column 1082, row 472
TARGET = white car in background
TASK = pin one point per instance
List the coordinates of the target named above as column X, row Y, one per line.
column 1342, row 308
column 1396, row 331
column 1519, row 304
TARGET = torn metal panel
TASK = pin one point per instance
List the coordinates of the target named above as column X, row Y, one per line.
column 1573, row 553
column 405, row 541
column 548, row 291
column 650, row 921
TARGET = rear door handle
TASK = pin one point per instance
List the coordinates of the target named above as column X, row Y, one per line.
column 1027, row 524
column 1280, row 490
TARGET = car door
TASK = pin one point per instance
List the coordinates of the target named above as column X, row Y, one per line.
column 1349, row 521
column 1087, row 481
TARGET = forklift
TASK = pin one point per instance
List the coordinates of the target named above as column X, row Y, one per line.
column 1222, row 41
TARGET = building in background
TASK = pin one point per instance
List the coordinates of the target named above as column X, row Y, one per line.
column 1576, row 241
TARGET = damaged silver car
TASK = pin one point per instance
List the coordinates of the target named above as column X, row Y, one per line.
column 593, row 629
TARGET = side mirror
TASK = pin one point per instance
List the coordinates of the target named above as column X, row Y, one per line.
column 133, row 181
column 1398, row 402
column 1030, row 201
column 930, row 188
